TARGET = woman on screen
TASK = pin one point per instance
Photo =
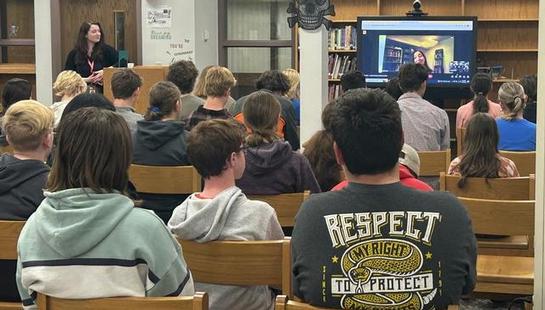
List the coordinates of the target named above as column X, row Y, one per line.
column 420, row 58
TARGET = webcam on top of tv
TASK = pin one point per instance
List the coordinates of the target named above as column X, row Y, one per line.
column 417, row 9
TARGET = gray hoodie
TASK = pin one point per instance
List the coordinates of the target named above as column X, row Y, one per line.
column 228, row 216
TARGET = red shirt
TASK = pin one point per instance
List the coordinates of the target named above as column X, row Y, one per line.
column 405, row 177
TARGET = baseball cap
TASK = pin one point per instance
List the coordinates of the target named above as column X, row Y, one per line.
column 409, row 158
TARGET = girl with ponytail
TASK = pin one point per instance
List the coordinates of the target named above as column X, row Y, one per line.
column 271, row 166
column 516, row 133
column 160, row 140
column 481, row 84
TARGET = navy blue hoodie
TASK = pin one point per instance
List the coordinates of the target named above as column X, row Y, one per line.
column 21, row 192
column 160, row 143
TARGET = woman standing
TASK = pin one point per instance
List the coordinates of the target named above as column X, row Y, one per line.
column 481, row 84
column 91, row 55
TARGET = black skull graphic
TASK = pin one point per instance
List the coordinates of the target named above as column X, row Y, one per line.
column 310, row 13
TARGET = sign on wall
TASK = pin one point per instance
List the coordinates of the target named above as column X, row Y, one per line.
column 167, row 31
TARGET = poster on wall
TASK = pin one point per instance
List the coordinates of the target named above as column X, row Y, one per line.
column 166, row 33
column 160, row 18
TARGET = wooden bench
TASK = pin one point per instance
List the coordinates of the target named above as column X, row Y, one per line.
column 525, row 161
column 9, row 234
column 432, row 163
column 165, row 179
column 521, row 188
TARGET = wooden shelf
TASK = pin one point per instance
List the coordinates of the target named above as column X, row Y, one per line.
column 507, row 50
column 342, row 51
column 508, row 20
column 506, row 80
column 17, row 68
column 344, row 21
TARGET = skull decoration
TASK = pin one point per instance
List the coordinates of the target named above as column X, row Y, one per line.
column 310, row 13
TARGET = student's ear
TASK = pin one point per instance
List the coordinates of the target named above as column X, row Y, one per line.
column 136, row 92
column 338, row 154
column 178, row 105
column 48, row 140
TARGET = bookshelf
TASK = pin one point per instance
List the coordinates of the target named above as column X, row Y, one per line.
column 507, row 29
column 507, row 34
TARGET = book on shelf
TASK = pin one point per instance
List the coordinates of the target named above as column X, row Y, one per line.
column 339, row 65
column 343, row 38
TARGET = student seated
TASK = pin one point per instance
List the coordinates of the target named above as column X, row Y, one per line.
column 409, row 169
column 221, row 211
column 183, row 74
column 87, row 240
column 68, row 85
column 376, row 241
column 14, row 90
column 481, row 84
column 480, row 157
column 271, row 165
column 516, row 133
column 28, row 126
column 218, row 84
column 353, row 80
column 276, row 83
column 126, row 89
column 425, row 126
column 529, row 83
column 319, row 152
column 160, row 140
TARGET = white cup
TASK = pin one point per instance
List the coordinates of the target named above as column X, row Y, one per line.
column 130, row 65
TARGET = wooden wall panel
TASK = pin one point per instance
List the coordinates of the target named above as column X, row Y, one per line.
column 20, row 13
column 351, row 9
column 75, row 12
column 437, row 7
column 507, row 35
column 502, row 9
column 516, row 64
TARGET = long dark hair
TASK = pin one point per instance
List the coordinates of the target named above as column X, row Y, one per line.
column 481, row 83
column 261, row 111
column 320, row 155
column 93, row 151
column 81, row 43
column 480, row 151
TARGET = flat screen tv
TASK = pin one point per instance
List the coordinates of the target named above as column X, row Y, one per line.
column 445, row 44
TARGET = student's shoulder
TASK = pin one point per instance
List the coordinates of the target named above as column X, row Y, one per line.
column 143, row 219
column 255, row 206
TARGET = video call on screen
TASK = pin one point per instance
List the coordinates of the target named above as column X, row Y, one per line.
column 445, row 47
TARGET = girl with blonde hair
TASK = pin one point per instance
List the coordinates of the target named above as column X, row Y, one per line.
column 68, row 85
column 516, row 133
column 294, row 92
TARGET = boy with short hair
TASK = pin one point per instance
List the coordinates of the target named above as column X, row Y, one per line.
column 221, row 211
column 28, row 127
column 218, row 84
column 126, row 89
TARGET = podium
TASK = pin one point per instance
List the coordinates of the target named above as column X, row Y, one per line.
column 149, row 74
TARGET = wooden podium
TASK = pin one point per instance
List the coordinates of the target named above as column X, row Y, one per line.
column 149, row 74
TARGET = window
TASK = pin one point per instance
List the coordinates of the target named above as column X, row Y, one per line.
column 254, row 37
column 17, row 31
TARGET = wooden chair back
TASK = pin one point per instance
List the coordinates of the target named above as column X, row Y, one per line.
column 521, row 188
column 165, row 179
column 432, row 163
column 495, row 217
column 525, row 161
column 460, row 136
column 197, row 302
column 283, row 303
column 240, row 263
column 285, row 205
column 9, row 234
